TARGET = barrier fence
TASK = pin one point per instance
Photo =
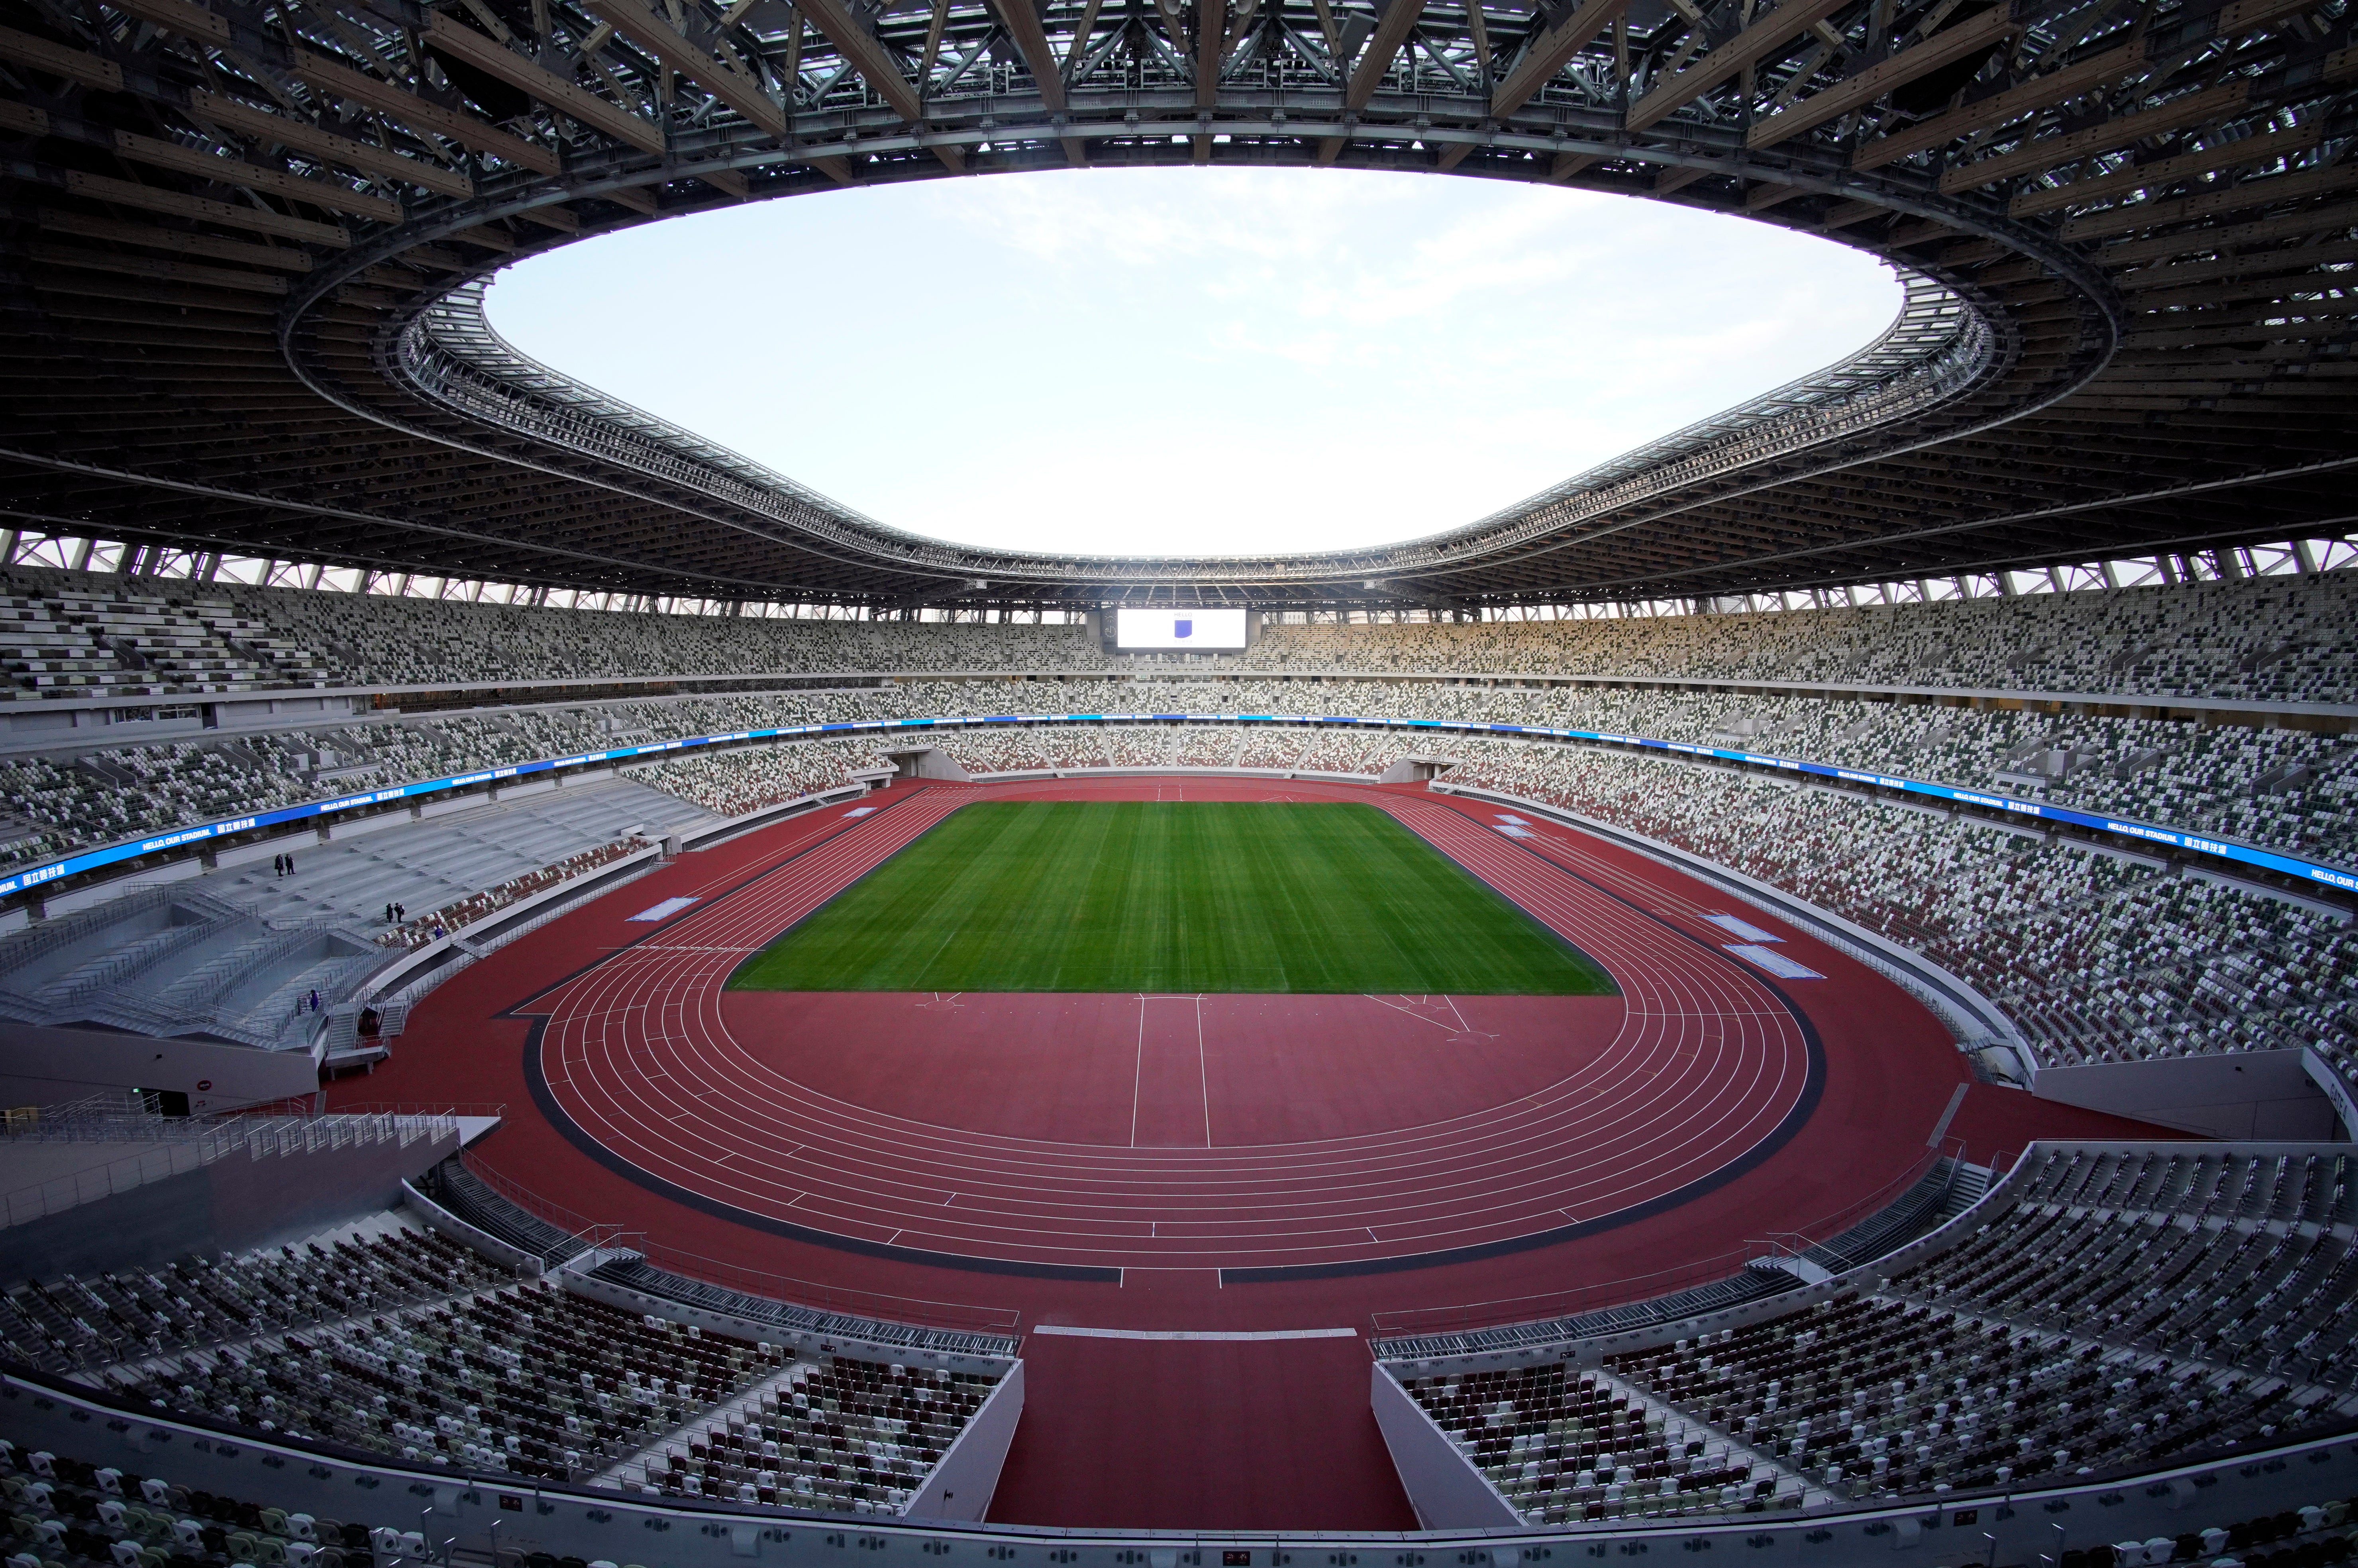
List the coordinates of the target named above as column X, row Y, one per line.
column 824, row 1297
column 2338, row 878
column 180, row 1144
column 1629, row 1289
column 721, row 1274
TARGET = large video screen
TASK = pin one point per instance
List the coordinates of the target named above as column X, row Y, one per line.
column 1180, row 631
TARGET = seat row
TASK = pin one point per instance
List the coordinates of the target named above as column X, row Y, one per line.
column 1567, row 1447
column 73, row 1321
column 842, row 1433
column 2266, row 638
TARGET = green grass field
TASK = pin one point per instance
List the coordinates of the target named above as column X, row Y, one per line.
column 1155, row 896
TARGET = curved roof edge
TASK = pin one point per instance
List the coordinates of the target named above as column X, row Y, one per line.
column 1937, row 347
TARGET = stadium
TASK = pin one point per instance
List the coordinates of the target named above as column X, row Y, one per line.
column 570, row 1001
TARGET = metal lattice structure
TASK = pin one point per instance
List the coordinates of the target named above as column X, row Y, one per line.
column 245, row 243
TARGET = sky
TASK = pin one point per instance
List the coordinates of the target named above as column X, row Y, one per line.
column 1195, row 361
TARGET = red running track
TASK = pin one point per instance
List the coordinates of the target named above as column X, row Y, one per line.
column 1257, row 1436
column 1708, row 1063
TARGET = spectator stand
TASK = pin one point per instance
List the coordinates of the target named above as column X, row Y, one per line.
column 1981, row 1030
column 110, row 1187
column 1974, row 1356
column 2278, row 791
column 2164, row 966
column 596, row 1257
column 65, row 1438
column 407, row 1334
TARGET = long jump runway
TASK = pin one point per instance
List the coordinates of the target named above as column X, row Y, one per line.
column 1598, row 1112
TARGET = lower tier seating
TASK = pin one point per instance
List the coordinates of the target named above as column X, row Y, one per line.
column 383, row 1337
column 527, row 1378
column 1566, row 1447
column 858, row 1436
column 72, row 1323
column 2105, row 1309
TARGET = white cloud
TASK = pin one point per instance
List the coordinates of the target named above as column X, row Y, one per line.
column 1144, row 360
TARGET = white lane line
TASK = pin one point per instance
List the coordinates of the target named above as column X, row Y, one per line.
column 1219, row 1334
column 1203, row 1074
column 1138, row 1072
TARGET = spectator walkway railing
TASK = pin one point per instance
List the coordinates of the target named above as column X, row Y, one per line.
column 517, row 1217
column 1884, row 1219
column 2335, row 878
column 179, row 1145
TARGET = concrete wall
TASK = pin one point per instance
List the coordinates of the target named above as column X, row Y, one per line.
column 2252, row 1095
column 236, row 1202
column 342, row 827
column 2335, row 1088
column 96, row 893
column 962, row 1484
column 1417, row 768
column 1444, row 1488
column 40, row 1065
column 926, row 762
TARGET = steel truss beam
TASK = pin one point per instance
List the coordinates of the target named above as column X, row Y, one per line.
column 240, row 239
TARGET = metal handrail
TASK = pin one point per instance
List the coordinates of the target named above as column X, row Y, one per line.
column 429, row 1107
column 1631, row 1289
column 580, row 1227
column 184, row 1144
column 763, row 1283
column 717, row 1272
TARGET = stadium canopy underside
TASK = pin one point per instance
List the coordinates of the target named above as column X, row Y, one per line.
column 244, row 246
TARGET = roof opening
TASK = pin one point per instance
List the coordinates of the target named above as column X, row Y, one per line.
column 1184, row 361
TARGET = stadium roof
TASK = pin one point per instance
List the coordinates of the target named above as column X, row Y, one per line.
column 245, row 247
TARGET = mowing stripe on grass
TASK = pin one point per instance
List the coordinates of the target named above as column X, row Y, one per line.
column 1172, row 896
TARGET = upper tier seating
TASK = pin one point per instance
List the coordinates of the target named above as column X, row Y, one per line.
column 92, row 626
column 2286, row 639
column 2272, row 640
column 96, row 635
column 2290, row 789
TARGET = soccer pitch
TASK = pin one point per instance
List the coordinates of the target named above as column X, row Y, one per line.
column 1171, row 896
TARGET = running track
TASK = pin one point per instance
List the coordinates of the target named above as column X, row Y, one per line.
column 1710, row 1063
column 1229, row 1435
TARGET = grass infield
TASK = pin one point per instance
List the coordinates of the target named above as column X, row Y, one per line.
column 1171, row 896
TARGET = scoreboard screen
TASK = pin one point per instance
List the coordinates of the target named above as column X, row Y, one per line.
column 1179, row 631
